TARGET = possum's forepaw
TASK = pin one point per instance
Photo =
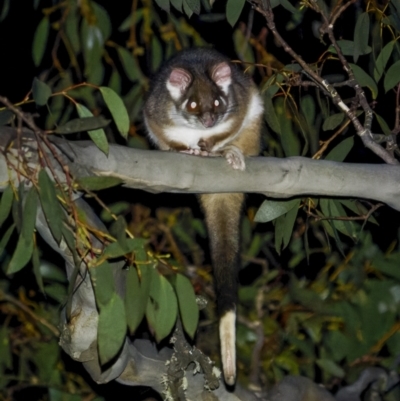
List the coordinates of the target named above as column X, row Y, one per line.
column 235, row 158
column 196, row 152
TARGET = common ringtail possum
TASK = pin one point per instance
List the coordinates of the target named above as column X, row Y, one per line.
column 202, row 104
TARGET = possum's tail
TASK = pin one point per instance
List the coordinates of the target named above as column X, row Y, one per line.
column 222, row 212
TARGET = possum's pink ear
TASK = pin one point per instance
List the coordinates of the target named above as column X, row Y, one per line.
column 221, row 74
column 180, row 78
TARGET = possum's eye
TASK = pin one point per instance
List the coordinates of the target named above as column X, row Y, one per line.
column 216, row 102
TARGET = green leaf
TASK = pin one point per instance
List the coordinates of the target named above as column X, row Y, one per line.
column 40, row 40
column 340, row 151
column 330, row 367
column 133, row 307
column 137, row 295
column 57, row 395
column 332, row 208
column 392, row 77
column 361, row 35
column 364, row 79
column 383, row 124
column 156, row 54
column 41, row 92
column 36, row 269
column 187, row 304
column 194, row 5
column 133, row 20
column 188, row 11
column 82, row 124
column 94, row 183
column 117, row 110
column 6, row 238
column 177, row 4
column 233, row 10
column 333, row 121
column 6, row 203
column 51, row 207
column 5, row 9
column 98, row 136
column 116, row 250
column 347, row 48
column 162, row 307
column 111, row 328
column 128, row 62
column 103, row 283
column 102, row 20
column 272, row 209
column 92, row 43
column 6, row 117
column 307, row 106
column 358, row 208
column 270, row 114
column 286, row 4
column 71, row 27
column 163, row 4
column 382, row 60
column 24, row 248
column 284, row 227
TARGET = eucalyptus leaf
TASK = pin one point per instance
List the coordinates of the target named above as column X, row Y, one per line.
column 340, row 151
column 82, row 124
column 286, row 4
column 6, row 237
column 36, row 269
column 5, row 9
column 98, row 136
column 6, row 116
column 333, row 121
column 103, row 283
column 6, row 203
column 117, row 110
column 177, row 4
column 111, row 331
column 115, row 249
column 347, row 48
column 164, row 4
column 137, row 295
column 94, row 183
column 188, row 308
column 270, row 114
column 330, row 367
column 284, row 227
column 233, row 10
column 23, row 251
column 272, row 209
column 383, row 124
column 41, row 92
column 392, row 77
column 163, row 306
column 364, row 79
column 361, row 35
column 382, row 60
column 40, row 40
column 194, row 5
column 51, row 207
column 128, row 62
column 71, row 27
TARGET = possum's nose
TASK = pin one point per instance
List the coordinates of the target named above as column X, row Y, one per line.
column 208, row 120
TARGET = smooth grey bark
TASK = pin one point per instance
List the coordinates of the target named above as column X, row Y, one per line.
column 138, row 362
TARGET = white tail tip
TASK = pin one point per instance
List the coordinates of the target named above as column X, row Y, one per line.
column 227, row 335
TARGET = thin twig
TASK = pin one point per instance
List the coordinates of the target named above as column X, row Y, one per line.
column 41, row 320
